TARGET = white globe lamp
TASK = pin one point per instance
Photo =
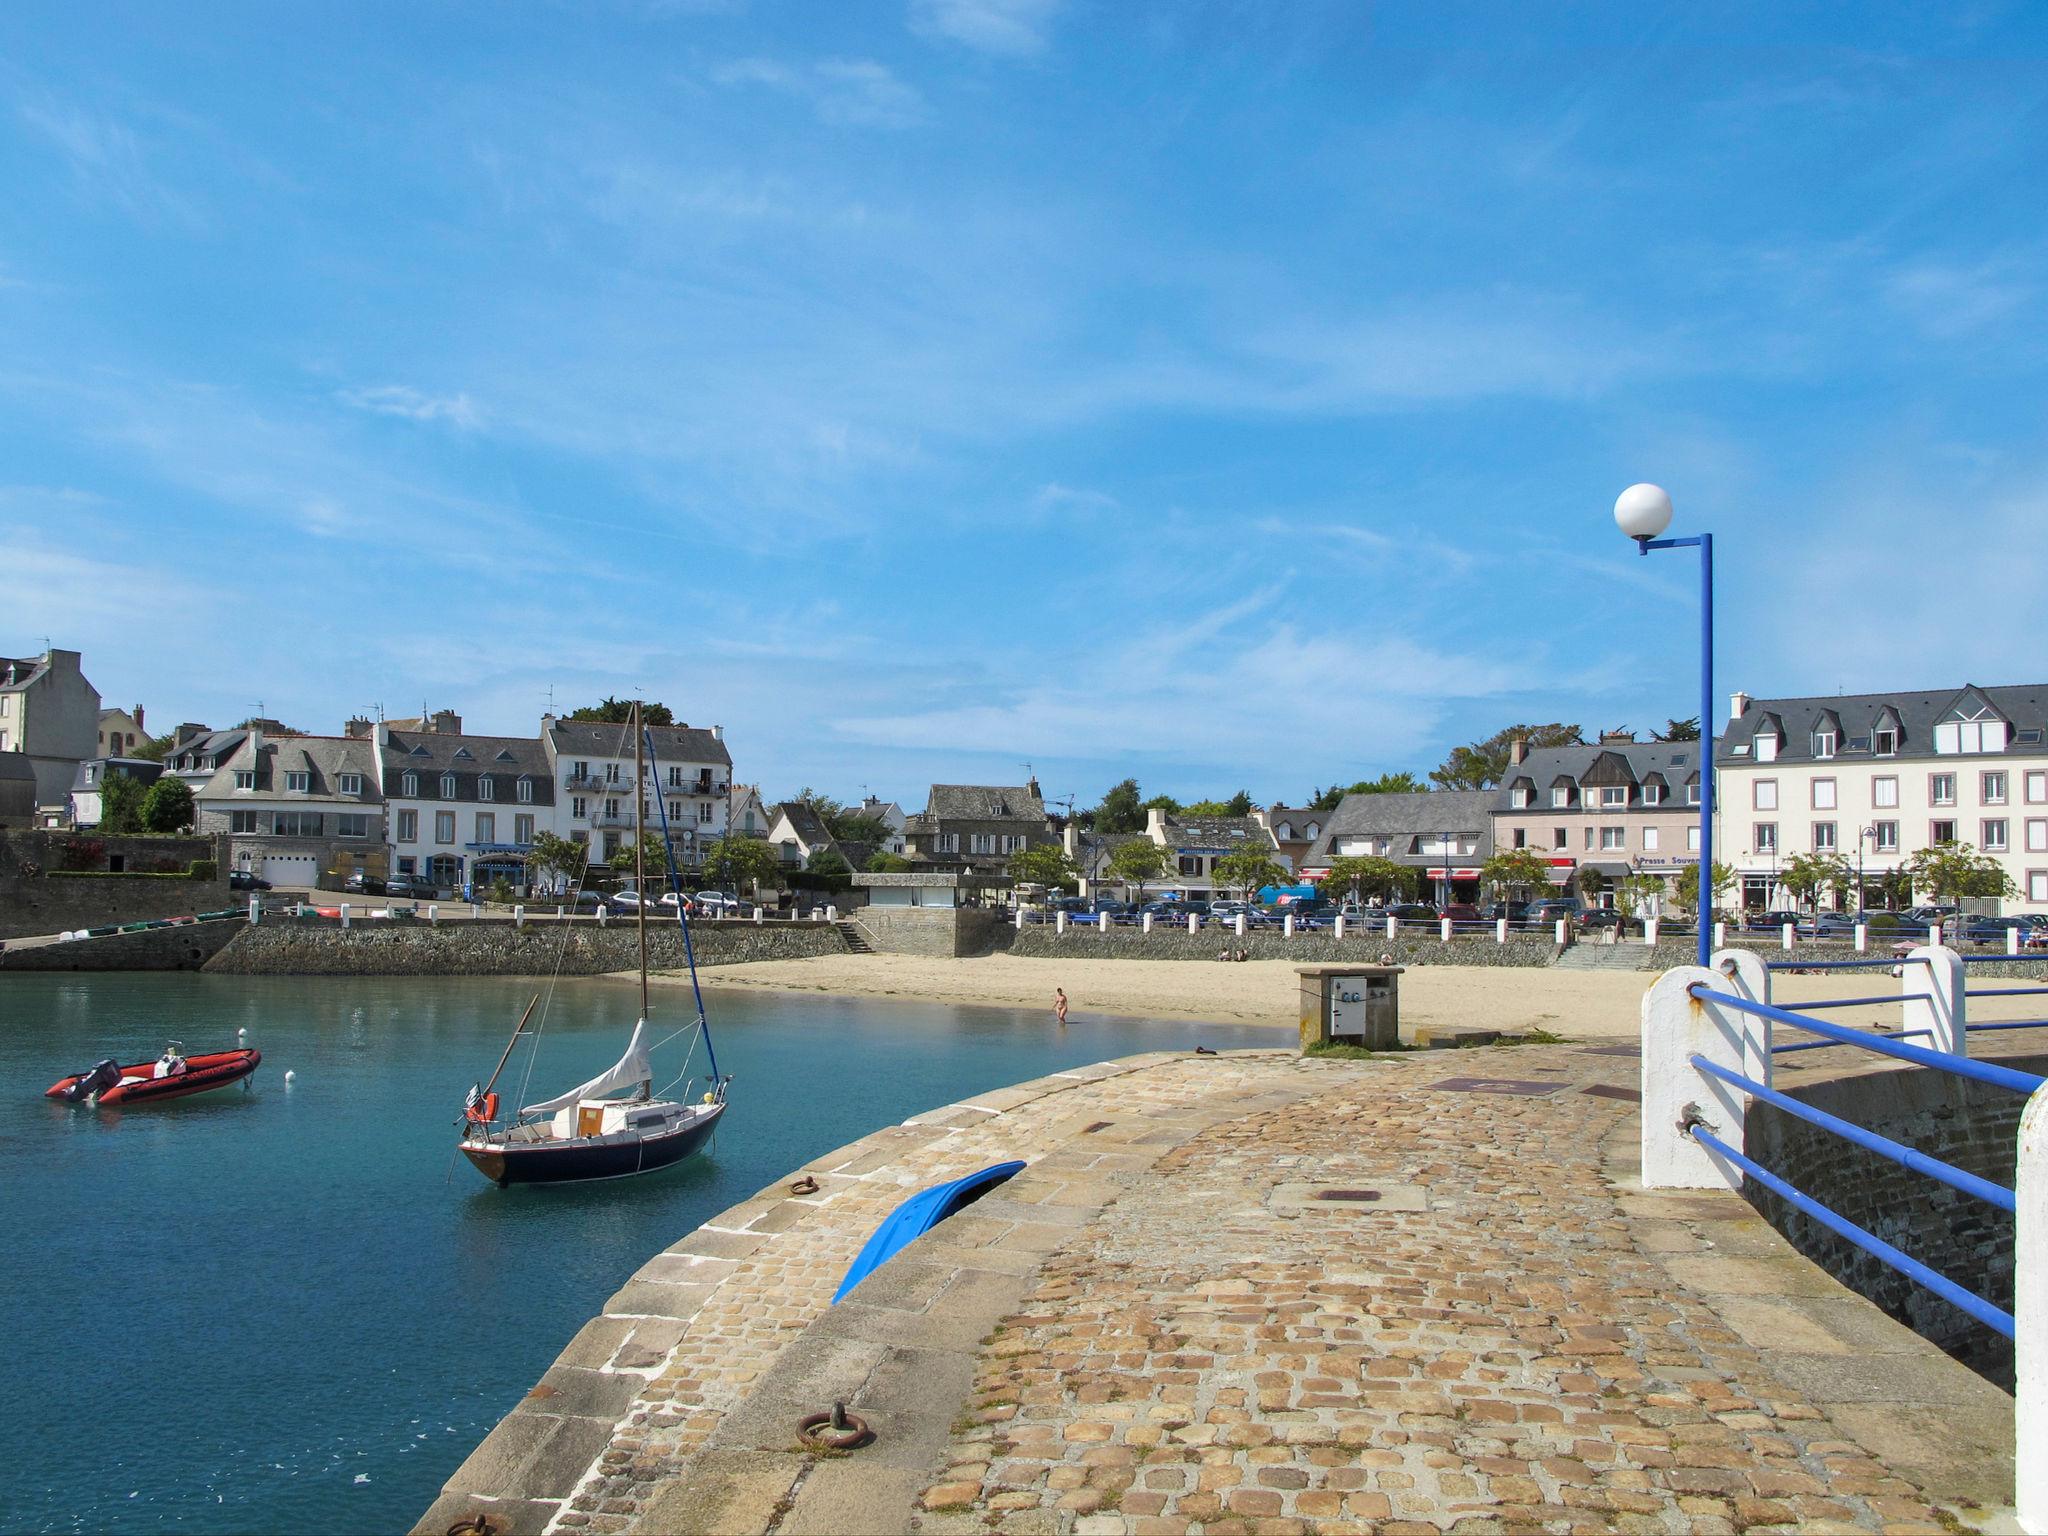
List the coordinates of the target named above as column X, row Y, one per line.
column 1643, row 511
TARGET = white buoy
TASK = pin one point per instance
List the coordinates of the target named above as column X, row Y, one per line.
column 290, row 1078
column 241, row 1034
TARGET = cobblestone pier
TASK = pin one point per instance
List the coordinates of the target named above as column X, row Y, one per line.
column 1259, row 1294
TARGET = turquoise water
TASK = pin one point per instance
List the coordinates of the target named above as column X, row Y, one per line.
column 295, row 1308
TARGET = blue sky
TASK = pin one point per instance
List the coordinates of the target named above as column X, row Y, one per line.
column 1230, row 395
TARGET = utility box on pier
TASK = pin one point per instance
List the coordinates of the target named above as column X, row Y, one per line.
column 1351, row 1005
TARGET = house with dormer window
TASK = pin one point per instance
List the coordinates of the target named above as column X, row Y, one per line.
column 464, row 809
column 1874, row 778
column 1294, row 829
column 977, row 828
column 1619, row 806
column 297, row 810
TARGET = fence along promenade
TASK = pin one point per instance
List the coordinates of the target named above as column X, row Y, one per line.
column 1709, row 1047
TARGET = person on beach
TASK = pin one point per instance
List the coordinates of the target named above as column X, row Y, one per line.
column 1059, row 1004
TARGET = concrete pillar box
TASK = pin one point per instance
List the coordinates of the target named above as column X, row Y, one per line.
column 1351, row 1005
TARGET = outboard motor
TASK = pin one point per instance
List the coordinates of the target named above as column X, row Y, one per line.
column 97, row 1079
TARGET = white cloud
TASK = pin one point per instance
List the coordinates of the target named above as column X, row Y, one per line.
column 1947, row 301
column 850, row 92
column 1054, row 497
column 404, row 401
column 1015, row 28
column 109, row 163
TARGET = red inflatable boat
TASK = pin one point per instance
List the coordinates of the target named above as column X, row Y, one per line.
column 174, row 1076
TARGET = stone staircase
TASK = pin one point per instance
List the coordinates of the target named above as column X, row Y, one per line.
column 1606, row 957
column 856, row 940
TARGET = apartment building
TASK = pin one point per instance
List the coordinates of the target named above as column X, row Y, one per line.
column 1874, row 778
column 297, row 808
column 464, row 809
column 595, row 781
column 50, row 714
column 977, row 828
column 1618, row 806
column 1446, row 834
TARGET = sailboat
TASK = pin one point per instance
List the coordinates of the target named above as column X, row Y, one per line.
column 611, row 1127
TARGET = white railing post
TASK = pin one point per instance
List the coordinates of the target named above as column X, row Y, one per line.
column 1194, row 922
column 434, row 916
column 1934, row 935
column 1148, row 922
column 1676, row 1027
column 1650, row 931
column 1444, row 930
column 1562, row 924
column 2030, row 1315
column 1933, row 984
column 1785, row 936
column 344, row 914
column 519, row 916
column 1340, row 925
column 1393, row 926
column 1500, row 930
column 759, row 912
column 255, row 909
column 1749, row 977
column 2012, row 941
column 602, row 914
column 1287, row 926
column 1059, row 922
column 1862, row 938
column 1240, row 925
column 1720, row 935
column 1102, row 922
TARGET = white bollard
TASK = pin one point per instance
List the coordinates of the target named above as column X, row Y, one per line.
column 558, row 912
column 1676, row 1027
column 1059, row 922
column 1340, row 925
column 1287, row 926
column 1747, row 976
column 519, row 916
column 758, row 914
column 1862, row 938
column 2012, row 941
column 1241, row 923
column 1720, row 935
column 602, row 914
column 1443, row 930
column 1500, row 930
column 434, row 915
column 1933, row 984
column 1650, row 931
column 2030, row 1315
column 1393, row 926
column 1785, row 935
column 255, row 909
column 1562, row 924
column 1194, row 922
column 1934, row 936
column 1102, row 921
column 1148, row 922
column 832, row 913
column 344, row 914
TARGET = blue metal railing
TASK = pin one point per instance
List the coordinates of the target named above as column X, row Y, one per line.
column 1835, row 1045
column 1961, row 1066
column 1839, row 965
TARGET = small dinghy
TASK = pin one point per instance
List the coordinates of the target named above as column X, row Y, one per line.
column 173, row 1075
column 917, row 1216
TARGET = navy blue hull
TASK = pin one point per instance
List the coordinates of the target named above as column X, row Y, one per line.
column 574, row 1162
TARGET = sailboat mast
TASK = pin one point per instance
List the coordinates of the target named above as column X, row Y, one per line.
column 640, row 845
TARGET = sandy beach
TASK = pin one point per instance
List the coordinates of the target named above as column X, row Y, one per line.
column 1574, row 1004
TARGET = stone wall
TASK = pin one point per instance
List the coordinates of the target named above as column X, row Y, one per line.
column 34, row 901
column 1270, row 944
column 1971, row 1125
column 495, row 947
column 927, row 930
column 186, row 947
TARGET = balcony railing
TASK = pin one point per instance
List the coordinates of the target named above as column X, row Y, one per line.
column 597, row 783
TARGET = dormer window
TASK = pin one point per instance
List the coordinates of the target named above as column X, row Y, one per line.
column 298, row 782
column 1613, row 794
column 487, row 788
column 1560, row 795
column 526, row 790
column 1653, row 793
column 463, row 752
column 1522, row 795
column 351, row 784
column 1953, row 736
column 1767, row 749
column 1824, row 743
column 409, row 785
column 1884, row 741
column 447, row 786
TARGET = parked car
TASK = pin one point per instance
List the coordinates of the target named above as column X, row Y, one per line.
column 1979, row 929
column 1514, row 911
column 1172, row 914
column 401, row 885
column 365, row 883
column 1835, row 925
column 1413, row 912
column 1595, row 919
column 1547, row 912
column 1771, row 922
column 246, row 880
column 1462, row 912
column 1227, row 912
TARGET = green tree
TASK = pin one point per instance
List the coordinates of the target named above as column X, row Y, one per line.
column 1951, row 872
column 1689, row 884
column 167, row 807
column 1515, row 869
column 120, row 806
column 1046, row 864
column 1805, row 875
column 888, row 864
column 1632, row 892
column 1592, row 885
column 1248, row 870
column 1368, row 877
column 1165, row 803
column 1680, row 730
column 857, row 826
column 1402, row 783
column 1121, row 809
column 743, row 863
column 552, row 856
column 620, row 712
column 1139, row 862
column 1481, row 765
column 656, row 854
column 155, row 749
column 827, row 867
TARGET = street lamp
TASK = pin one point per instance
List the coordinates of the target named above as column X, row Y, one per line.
column 1863, row 835
column 1643, row 512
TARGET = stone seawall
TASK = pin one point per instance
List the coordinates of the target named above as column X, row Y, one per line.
column 1269, row 944
column 1972, row 1125
column 487, row 947
column 927, row 930
column 186, row 947
column 33, row 905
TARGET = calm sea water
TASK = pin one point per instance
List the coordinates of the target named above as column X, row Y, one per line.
column 295, row 1308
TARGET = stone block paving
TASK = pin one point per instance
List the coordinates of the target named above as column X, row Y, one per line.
column 1204, row 1357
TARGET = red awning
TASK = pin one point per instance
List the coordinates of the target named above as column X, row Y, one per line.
column 1440, row 873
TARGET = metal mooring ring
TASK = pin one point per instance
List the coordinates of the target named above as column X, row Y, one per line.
column 804, row 1186
column 835, row 1429
column 478, row 1524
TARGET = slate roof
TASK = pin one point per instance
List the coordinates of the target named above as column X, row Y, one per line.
column 1613, row 762
column 1217, row 834
column 505, row 759
column 219, row 745
column 141, row 769
column 808, row 825
column 26, row 670
column 323, row 758
column 15, row 765
column 983, row 802
column 672, row 743
column 1401, row 817
column 2024, row 706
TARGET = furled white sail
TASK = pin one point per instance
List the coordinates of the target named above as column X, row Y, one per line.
column 633, row 1068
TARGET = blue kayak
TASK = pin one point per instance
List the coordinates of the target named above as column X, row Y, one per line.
column 918, row 1215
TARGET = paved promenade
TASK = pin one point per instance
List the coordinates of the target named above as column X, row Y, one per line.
column 1254, row 1294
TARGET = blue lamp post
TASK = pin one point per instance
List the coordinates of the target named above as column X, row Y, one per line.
column 1643, row 512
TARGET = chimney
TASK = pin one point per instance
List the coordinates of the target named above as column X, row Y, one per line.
column 1155, row 825
column 138, row 717
column 1738, row 705
column 357, row 728
column 1518, row 751
column 718, row 733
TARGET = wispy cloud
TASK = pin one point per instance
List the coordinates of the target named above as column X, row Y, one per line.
column 414, row 405
column 1054, row 497
column 852, row 92
column 1948, row 300
column 1016, row 28
column 109, row 163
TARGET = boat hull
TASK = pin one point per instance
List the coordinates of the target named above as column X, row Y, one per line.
column 203, row 1074
column 577, row 1160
